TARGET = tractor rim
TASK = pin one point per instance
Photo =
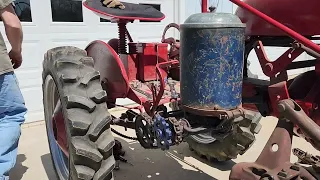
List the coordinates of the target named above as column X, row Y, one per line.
column 60, row 160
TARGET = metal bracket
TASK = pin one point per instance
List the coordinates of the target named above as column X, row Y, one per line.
column 274, row 160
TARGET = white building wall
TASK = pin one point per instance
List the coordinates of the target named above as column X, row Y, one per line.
column 46, row 25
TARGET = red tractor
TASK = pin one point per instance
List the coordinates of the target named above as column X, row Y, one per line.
column 214, row 104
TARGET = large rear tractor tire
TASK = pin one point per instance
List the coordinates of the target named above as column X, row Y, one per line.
column 237, row 142
column 70, row 79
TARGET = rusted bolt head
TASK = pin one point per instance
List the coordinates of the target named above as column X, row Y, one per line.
column 268, row 67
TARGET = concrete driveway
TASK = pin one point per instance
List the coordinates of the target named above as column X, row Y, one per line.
column 178, row 163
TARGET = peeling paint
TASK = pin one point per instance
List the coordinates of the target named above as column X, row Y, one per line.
column 211, row 67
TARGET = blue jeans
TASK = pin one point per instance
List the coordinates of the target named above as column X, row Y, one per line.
column 12, row 111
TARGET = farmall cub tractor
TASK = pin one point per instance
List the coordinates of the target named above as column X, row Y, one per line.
column 214, row 104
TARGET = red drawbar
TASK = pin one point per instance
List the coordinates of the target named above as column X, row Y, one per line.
column 121, row 17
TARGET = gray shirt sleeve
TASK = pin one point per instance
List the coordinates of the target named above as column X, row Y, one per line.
column 5, row 3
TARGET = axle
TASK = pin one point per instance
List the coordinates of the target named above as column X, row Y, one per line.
column 166, row 129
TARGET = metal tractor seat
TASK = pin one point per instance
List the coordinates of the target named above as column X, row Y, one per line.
column 131, row 11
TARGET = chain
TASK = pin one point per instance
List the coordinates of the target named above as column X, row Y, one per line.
column 178, row 128
column 123, row 135
column 146, row 117
column 308, row 159
column 142, row 92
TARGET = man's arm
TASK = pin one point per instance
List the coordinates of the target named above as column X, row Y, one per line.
column 12, row 25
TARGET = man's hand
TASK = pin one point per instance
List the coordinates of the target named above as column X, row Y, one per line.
column 16, row 58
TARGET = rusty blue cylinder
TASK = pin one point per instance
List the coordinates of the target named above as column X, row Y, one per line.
column 211, row 61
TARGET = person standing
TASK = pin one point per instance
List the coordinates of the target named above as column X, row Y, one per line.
column 12, row 105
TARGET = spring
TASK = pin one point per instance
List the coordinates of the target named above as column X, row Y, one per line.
column 122, row 45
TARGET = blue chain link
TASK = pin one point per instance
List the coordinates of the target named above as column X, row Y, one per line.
column 163, row 132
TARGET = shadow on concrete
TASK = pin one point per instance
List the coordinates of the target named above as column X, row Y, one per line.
column 186, row 152
column 156, row 164
column 19, row 169
column 48, row 166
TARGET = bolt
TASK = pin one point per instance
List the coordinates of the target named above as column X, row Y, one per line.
column 268, row 67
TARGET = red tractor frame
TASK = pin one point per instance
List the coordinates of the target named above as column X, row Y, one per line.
column 79, row 86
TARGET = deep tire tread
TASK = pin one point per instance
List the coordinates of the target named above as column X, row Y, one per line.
column 90, row 77
column 99, row 96
column 105, row 170
column 237, row 143
column 69, row 79
column 87, row 119
column 98, row 126
column 80, row 121
column 84, row 172
column 85, row 148
column 105, row 142
column 74, row 101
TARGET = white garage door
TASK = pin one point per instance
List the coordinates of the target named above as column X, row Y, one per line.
column 51, row 23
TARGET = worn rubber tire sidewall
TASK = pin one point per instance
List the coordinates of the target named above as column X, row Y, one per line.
column 49, row 64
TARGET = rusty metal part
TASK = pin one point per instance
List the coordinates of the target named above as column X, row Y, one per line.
column 292, row 111
column 178, row 128
column 274, row 161
column 143, row 128
column 254, row 171
column 219, row 132
column 221, row 114
column 277, row 92
column 308, row 50
column 306, row 158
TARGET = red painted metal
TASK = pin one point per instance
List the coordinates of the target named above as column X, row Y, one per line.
column 293, row 34
column 271, row 68
column 143, row 59
column 162, row 74
column 148, row 55
column 61, row 138
column 108, row 63
column 204, row 6
column 133, row 67
column 277, row 92
column 288, row 12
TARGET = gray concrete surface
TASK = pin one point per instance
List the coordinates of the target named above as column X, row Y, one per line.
column 178, row 163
